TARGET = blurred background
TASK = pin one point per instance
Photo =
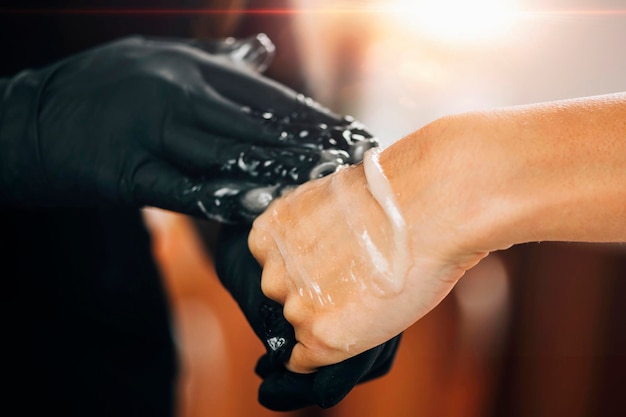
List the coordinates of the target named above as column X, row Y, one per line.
column 536, row 330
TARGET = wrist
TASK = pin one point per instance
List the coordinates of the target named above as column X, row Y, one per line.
column 448, row 174
column 544, row 172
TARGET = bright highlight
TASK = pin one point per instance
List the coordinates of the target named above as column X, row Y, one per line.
column 458, row 21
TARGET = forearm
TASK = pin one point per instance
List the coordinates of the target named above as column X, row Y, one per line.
column 553, row 171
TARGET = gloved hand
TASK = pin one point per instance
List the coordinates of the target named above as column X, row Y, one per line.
column 282, row 390
column 184, row 125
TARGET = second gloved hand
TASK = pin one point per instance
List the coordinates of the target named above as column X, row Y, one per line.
column 282, row 390
column 184, row 125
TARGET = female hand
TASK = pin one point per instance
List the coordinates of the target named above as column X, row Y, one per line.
column 349, row 275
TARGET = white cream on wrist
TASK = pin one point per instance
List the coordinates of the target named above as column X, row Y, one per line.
column 395, row 269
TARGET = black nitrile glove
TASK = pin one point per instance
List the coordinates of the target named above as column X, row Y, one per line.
column 282, row 390
column 185, row 125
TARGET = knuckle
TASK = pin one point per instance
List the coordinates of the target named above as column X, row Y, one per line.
column 313, row 355
column 328, row 340
column 260, row 242
column 272, row 284
column 255, row 245
column 293, row 311
column 306, row 361
column 312, row 331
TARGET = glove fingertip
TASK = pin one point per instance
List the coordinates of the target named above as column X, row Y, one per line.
column 331, row 392
column 385, row 361
column 264, row 366
column 334, row 382
column 286, row 391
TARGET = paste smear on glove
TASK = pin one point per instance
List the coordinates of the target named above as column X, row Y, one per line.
column 304, row 150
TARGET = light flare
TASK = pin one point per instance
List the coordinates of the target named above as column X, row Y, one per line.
column 458, row 21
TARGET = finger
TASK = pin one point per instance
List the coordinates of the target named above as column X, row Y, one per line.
column 296, row 124
column 244, row 87
column 210, row 46
column 265, row 367
column 286, row 391
column 229, row 200
column 236, row 268
column 197, row 152
column 267, row 96
column 300, row 145
column 240, row 274
column 304, row 361
column 212, row 112
column 254, row 52
column 384, row 361
column 216, row 122
column 346, row 135
column 223, row 200
column 334, row 382
column 209, row 111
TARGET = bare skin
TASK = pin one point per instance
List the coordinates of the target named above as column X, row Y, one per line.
column 466, row 185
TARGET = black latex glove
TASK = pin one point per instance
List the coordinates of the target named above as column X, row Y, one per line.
column 282, row 390
column 184, row 125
